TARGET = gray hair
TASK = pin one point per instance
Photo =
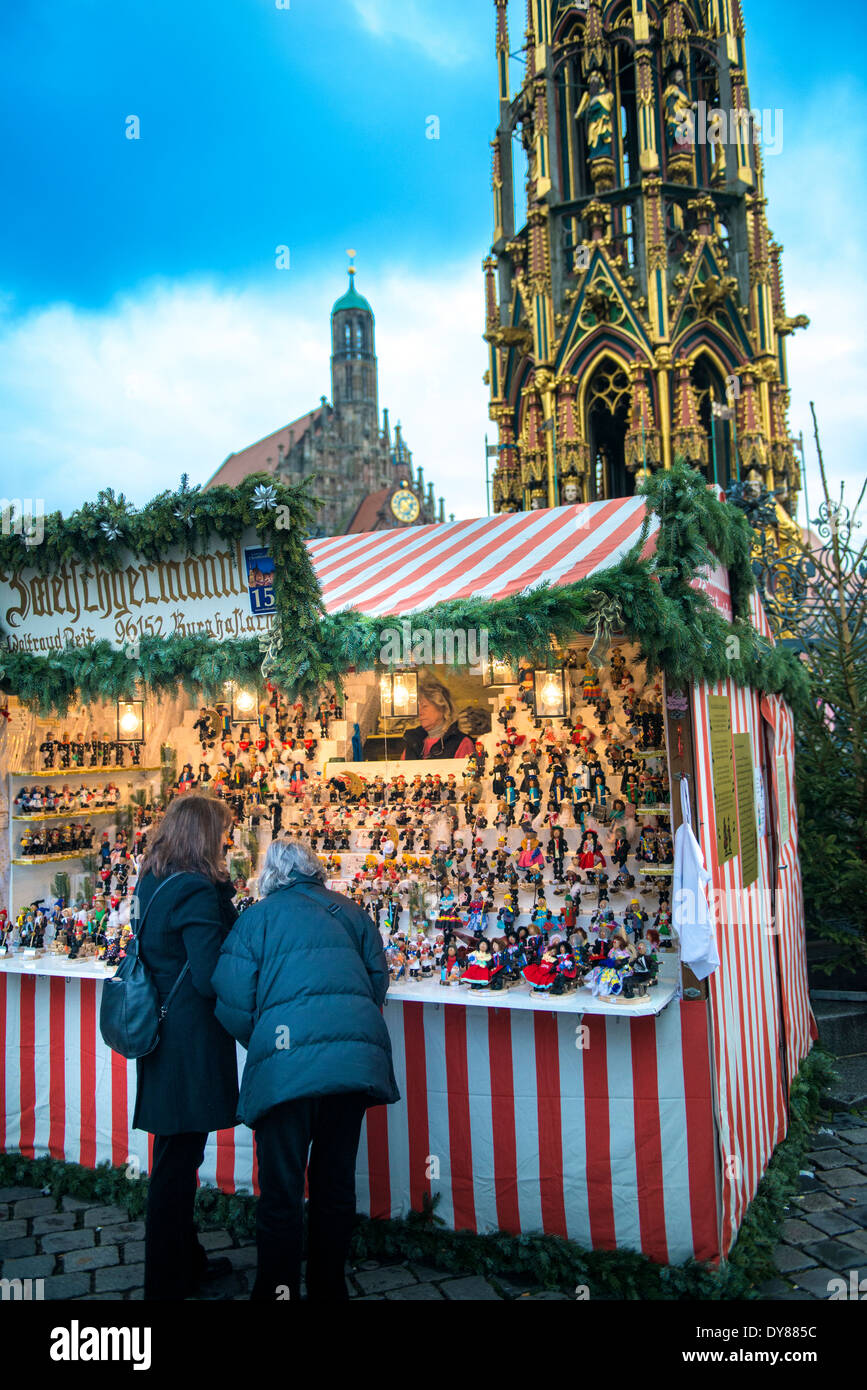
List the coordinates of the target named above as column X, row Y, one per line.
column 284, row 858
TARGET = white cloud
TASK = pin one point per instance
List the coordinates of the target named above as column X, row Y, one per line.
column 174, row 377
column 439, row 30
column 814, row 190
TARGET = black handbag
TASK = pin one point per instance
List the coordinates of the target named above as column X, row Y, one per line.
column 130, row 1013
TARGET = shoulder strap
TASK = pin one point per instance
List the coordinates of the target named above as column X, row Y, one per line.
column 157, row 890
column 334, row 910
column 164, row 1007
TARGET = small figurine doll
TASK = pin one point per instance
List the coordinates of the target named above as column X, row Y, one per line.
column 603, row 708
column 65, row 750
column 186, row 779
column 526, row 684
column 645, row 969
column 297, row 780
column 541, row 916
column 619, row 673
column 556, row 851
column 634, row 920
column 591, row 688
column 476, row 922
column 566, row 968
column 450, row 969
column 478, row 970
column 542, row 976
column 413, row 961
column 620, row 851
column 587, row 852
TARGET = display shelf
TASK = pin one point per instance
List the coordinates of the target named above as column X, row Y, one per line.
column 85, row 771
column 71, row 815
column 521, row 996
column 52, row 858
column 663, row 809
column 649, row 753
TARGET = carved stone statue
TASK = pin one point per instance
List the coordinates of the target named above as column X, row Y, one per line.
column 571, row 490
column 679, row 119
column 598, row 102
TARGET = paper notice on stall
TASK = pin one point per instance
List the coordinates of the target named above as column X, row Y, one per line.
column 746, row 809
column 783, row 799
column 760, row 802
column 725, row 810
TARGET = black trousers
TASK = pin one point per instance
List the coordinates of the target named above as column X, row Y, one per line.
column 330, row 1128
column 174, row 1259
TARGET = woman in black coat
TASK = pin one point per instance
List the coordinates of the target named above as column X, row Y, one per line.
column 188, row 1086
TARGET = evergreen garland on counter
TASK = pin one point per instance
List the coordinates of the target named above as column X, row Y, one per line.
column 676, row 625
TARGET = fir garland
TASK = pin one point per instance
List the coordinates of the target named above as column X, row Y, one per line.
column 187, row 519
column 677, row 627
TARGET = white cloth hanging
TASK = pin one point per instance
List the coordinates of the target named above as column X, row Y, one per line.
column 690, row 911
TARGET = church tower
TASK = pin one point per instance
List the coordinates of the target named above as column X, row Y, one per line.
column 361, row 468
column 634, row 294
column 353, row 355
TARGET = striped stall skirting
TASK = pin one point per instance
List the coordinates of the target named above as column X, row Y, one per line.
column 600, row 1131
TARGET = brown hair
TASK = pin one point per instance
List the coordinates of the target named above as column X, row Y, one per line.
column 190, row 838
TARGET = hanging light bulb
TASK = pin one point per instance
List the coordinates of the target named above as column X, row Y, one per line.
column 245, row 701
column 129, row 719
column 550, row 692
column 401, row 694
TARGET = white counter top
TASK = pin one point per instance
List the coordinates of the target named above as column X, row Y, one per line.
column 47, row 964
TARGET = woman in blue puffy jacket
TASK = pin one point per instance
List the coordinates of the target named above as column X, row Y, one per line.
column 300, row 983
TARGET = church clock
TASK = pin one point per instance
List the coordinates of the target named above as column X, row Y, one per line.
column 405, row 506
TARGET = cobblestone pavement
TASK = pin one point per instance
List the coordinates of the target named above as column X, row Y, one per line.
column 824, row 1235
column 88, row 1252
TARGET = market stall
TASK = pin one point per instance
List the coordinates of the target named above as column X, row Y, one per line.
column 632, row 656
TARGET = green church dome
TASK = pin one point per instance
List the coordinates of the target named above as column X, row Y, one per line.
column 352, row 299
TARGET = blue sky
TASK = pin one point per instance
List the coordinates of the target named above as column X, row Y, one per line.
column 144, row 327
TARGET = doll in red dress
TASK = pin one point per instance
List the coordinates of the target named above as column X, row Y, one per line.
column 479, row 962
column 589, row 854
column 543, row 975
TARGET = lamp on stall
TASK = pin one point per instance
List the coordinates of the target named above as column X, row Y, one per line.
column 244, row 704
column 549, row 693
column 498, row 672
column 130, row 721
column 398, row 693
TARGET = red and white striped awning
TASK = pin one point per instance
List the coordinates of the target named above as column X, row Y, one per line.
column 403, row 571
